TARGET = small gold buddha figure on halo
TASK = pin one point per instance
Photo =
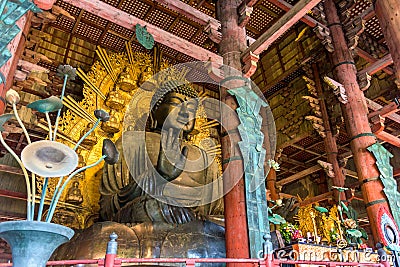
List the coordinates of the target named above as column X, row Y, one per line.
column 81, row 160
column 146, row 75
column 128, row 79
column 115, row 99
column 91, row 139
column 74, row 195
column 112, row 126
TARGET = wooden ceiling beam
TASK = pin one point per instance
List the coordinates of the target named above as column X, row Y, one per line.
column 285, row 6
column 11, row 194
column 377, row 65
column 389, row 138
column 299, row 175
column 375, row 106
column 304, row 149
column 385, row 111
column 128, row 21
column 10, row 169
column 319, row 198
column 363, row 54
column 189, row 12
column 280, row 27
column 297, row 163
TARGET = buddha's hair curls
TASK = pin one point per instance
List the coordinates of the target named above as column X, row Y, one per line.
column 172, row 86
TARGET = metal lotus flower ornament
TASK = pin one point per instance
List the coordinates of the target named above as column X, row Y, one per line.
column 49, row 159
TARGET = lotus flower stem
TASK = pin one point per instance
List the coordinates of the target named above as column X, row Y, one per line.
column 44, row 189
column 86, row 134
column 26, row 175
column 53, row 206
column 21, row 123
column 59, row 111
column 33, row 177
column 54, row 196
column 49, row 124
column 33, row 184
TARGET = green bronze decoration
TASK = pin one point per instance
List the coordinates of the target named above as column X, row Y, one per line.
column 144, row 37
column 253, row 158
column 386, row 175
column 10, row 13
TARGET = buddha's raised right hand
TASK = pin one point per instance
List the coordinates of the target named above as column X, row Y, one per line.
column 171, row 159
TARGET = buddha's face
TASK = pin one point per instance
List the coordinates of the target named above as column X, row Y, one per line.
column 177, row 111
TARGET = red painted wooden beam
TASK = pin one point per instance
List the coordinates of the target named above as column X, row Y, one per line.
column 363, row 54
column 281, row 26
column 189, row 12
column 385, row 111
column 211, row 24
column 378, row 65
column 375, row 106
column 12, row 194
column 16, row 48
column 10, row 169
column 286, row 7
column 128, row 21
column 251, row 3
column 387, row 137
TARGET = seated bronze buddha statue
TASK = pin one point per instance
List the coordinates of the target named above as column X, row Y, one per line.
column 161, row 177
column 158, row 196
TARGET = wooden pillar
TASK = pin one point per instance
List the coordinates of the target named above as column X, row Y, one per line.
column 329, row 140
column 233, row 43
column 388, row 14
column 16, row 48
column 355, row 113
column 271, row 184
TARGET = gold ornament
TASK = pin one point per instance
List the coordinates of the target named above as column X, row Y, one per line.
column 113, row 125
column 128, row 79
column 115, row 100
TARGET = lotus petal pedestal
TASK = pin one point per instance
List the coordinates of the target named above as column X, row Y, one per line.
column 33, row 242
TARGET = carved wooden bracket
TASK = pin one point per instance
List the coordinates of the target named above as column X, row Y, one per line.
column 327, row 167
column 244, row 12
column 353, row 30
column 323, row 34
column 319, row 14
column 338, row 89
column 310, row 85
column 214, row 71
column 314, row 104
column 364, row 81
column 377, row 124
column 397, row 82
column 345, row 7
column 250, row 64
column 26, row 68
column 212, row 32
column 317, row 124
